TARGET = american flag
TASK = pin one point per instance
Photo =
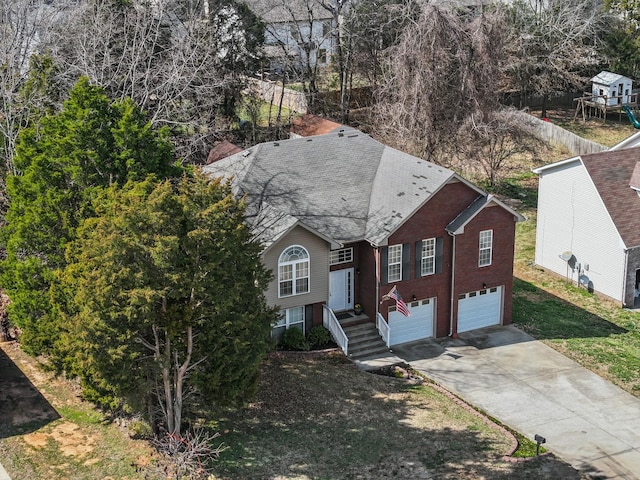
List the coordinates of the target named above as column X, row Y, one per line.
column 400, row 305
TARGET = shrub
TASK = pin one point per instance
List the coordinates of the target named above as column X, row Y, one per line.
column 318, row 336
column 294, row 339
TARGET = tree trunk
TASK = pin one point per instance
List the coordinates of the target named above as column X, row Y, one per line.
column 545, row 99
column 180, row 374
column 5, row 336
column 168, row 393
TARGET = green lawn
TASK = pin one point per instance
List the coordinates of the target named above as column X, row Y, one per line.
column 267, row 114
column 608, row 133
column 82, row 444
column 323, row 418
column 594, row 331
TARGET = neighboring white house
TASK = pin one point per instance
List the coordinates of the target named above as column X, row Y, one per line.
column 588, row 226
column 613, row 88
column 297, row 32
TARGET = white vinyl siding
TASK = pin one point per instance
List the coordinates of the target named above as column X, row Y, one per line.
column 428, row 261
column 394, row 268
column 485, row 248
column 318, row 269
column 572, row 218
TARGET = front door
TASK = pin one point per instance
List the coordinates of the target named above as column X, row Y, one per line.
column 341, row 289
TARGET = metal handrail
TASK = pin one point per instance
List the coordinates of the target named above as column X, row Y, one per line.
column 332, row 324
column 383, row 328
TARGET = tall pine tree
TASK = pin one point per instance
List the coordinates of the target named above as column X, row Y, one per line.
column 62, row 162
column 167, row 285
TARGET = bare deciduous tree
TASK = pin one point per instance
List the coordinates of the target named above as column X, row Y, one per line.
column 554, row 44
column 180, row 66
column 444, row 69
column 24, row 25
column 488, row 143
column 440, row 95
column 372, row 26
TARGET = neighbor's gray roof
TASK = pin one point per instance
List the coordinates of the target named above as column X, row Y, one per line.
column 611, row 173
column 347, row 187
column 286, row 11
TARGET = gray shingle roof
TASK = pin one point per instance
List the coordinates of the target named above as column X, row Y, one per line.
column 467, row 214
column 347, row 187
column 607, row 78
column 611, row 174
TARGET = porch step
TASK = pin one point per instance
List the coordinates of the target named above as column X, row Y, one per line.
column 364, row 340
column 354, row 320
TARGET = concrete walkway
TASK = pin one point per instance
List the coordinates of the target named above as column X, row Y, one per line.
column 587, row 421
column 3, row 473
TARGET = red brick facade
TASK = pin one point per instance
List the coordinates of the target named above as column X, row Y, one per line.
column 430, row 221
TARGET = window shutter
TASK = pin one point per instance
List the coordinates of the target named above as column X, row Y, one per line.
column 406, row 261
column 308, row 318
column 418, row 272
column 439, row 254
column 384, row 266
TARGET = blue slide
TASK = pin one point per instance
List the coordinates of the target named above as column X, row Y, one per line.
column 631, row 116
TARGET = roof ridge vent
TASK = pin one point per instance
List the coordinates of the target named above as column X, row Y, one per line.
column 276, row 144
column 352, row 136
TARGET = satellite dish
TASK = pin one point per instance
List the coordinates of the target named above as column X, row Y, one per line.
column 566, row 256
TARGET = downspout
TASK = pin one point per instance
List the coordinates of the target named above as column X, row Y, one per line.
column 377, row 255
column 453, row 281
column 624, row 280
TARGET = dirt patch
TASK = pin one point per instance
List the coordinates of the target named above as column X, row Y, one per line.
column 71, row 440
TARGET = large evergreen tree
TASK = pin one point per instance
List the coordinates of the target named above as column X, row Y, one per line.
column 62, row 161
column 167, row 284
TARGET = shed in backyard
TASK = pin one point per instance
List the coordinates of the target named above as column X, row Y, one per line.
column 612, row 88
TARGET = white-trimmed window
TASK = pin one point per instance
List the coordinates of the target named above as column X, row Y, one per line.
column 322, row 56
column 394, row 263
column 293, row 271
column 344, row 255
column 326, row 28
column 290, row 317
column 428, row 259
column 486, row 247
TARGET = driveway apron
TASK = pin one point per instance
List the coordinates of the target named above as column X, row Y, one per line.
column 587, row 421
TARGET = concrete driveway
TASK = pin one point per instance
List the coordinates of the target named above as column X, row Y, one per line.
column 587, row 421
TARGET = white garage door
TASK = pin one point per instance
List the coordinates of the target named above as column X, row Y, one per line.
column 419, row 325
column 479, row 309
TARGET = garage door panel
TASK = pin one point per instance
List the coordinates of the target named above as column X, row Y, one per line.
column 416, row 327
column 480, row 309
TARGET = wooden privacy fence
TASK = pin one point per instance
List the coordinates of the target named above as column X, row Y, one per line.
column 552, row 133
column 271, row 92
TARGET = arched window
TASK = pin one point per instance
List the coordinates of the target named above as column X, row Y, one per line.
column 293, row 271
